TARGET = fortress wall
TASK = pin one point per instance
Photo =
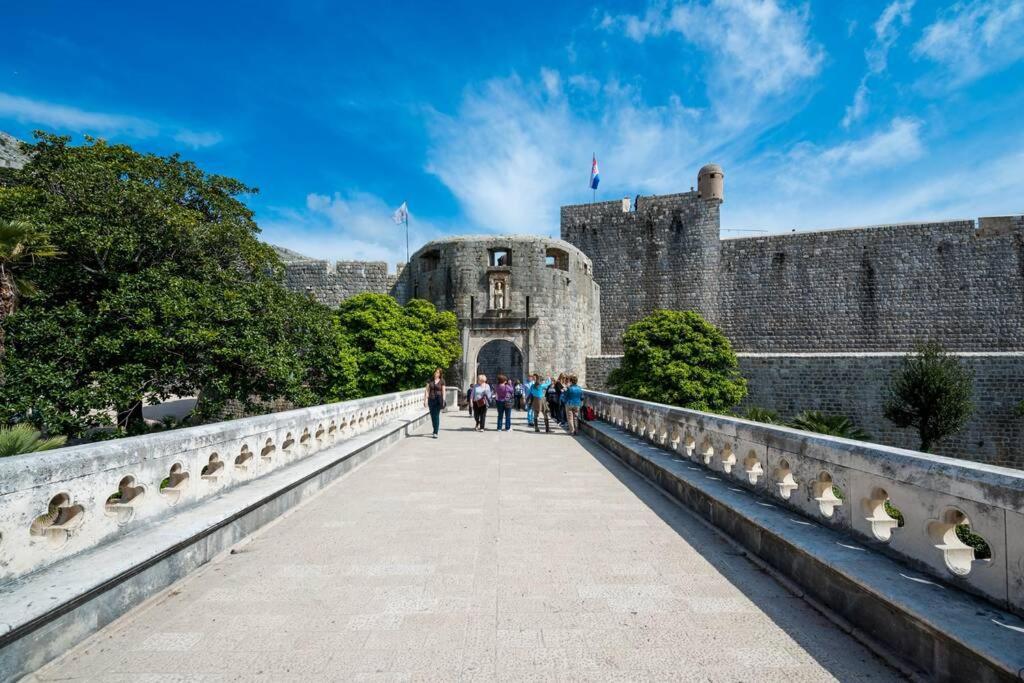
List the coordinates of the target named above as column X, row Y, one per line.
column 331, row 286
column 852, row 384
column 663, row 254
column 877, row 288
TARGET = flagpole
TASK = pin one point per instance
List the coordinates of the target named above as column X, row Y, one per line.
column 406, row 231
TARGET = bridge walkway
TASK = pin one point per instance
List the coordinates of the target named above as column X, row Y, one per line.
column 478, row 556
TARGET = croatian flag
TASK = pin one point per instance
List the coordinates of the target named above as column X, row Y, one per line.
column 595, row 176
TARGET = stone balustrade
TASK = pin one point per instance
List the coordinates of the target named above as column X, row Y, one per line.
column 58, row 503
column 914, row 506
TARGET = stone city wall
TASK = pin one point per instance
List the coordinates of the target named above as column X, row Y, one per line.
column 662, row 254
column 332, row 285
column 877, row 289
column 852, row 384
column 552, row 312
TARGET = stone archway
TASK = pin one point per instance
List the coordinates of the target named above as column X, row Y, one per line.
column 500, row 356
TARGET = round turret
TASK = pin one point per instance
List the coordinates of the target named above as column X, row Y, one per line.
column 711, row 182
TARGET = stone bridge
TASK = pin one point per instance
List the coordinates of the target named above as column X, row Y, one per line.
column 340, row 543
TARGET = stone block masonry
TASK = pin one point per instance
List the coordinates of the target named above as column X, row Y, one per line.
column 662, row 254
column 852, row 384
column 332, row 285
column 883, row 288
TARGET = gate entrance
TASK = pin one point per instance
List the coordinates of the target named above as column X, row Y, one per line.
column 499, row 356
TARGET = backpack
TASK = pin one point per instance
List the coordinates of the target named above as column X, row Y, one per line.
column 588, row 413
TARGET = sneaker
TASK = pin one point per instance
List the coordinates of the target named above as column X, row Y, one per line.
column 434, row 435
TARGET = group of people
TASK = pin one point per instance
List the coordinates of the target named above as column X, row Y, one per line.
column 559, row 399
column 548, row 398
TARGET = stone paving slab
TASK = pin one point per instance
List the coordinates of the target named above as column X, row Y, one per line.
column 494, row 556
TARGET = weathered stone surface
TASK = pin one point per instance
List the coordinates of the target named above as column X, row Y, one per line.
column 937, row 632
column 11, row 155
column 549, row 308
column 852, row 384
column 662, row 254
column 877, row 289
column 509, row 556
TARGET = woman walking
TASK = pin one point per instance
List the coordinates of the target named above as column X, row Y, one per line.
column 481, row 395
column 433, row 399
column 503, row 395
column 573, row 400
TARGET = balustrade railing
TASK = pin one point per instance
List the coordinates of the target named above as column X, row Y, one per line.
column 57, row 503
column 958, row 520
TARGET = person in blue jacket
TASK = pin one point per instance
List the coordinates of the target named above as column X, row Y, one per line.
column 572, row 398
column 538, row 392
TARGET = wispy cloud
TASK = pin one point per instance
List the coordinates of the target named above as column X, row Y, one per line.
column 65, row 118
column 198, row 139
column 757, row 48
column 973, row 39
column 894, row 17
column 62, row 117
column 346, row 226
column 898, row 144
column 516, row 149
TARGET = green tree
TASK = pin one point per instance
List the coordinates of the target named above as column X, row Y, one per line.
column 931, row 392
column 163, row 289
column 22, row 438
column 678, row 358
column 396, row 347
column 833, row 425
column 21, row 244
column 765, row 415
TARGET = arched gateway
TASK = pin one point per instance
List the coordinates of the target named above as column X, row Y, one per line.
column 500, row 356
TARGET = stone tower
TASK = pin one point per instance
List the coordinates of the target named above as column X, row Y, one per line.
column 711, row 182
column 662, row 252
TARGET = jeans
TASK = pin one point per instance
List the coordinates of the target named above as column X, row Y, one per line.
column 435, row 413
column 572, row 417
column 504, row 413
column 480, row 416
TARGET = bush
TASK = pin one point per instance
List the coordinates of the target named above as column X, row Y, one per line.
column 930, row 392
column 1019, row 409
column 22, row 438
column 755, row 414
column 678, row 358
column 833, row 425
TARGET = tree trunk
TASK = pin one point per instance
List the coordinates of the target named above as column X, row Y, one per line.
column 8, row 301
column 131, row 419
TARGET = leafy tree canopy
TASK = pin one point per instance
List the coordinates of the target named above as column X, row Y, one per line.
column 679, row 358
column 161, row 288
column 396, row 347
column 931, row 392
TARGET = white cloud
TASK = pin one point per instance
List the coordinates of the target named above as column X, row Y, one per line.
column 859, row 107
column 197, row 139
column 62, row 117
column 513, row 152
column 973, row 39
column 352, row 226
column 894, row 17
column 898, row 144
column 756, row 48
column 552, row 81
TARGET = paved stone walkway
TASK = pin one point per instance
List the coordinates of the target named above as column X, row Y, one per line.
column 510, row 556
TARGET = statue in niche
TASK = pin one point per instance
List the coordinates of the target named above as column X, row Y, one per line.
column 499, row 295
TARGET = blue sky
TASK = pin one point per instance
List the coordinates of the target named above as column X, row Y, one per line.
column 484, row 115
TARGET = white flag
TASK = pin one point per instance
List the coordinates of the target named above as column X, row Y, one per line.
column 401, row 214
